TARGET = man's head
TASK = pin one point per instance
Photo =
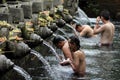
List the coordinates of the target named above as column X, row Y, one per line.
column 57, row 41
column 105, row 14
column 74, row 42
column 78, row 27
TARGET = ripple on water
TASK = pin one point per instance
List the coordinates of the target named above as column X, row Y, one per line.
column 62, row 71
column 91, row 52
column 93, row 71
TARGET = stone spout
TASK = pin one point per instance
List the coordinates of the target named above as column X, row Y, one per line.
column 34, row 40
column 5, row 64
column 44, row 32
column 53, row 27
column 68, row 18
column 60, row 23
column 18, row 49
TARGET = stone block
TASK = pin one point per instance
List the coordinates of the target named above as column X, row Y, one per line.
column 37, row 7
column 17, row 14
column 48, row 4
column 27, row 10
column 6, row 17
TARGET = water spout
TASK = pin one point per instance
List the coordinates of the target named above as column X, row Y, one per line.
column 41, row 58
column 81, row 17
column 61, row 31
column 22, row 72
column 53, row 50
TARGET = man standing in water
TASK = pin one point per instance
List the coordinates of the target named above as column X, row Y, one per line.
column 78, row 63
column 61, row 43
column 106, row 30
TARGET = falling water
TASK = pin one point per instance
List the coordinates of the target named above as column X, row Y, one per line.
column 81, row 17
column 59, row 29
column 75, row 32
column 41, row 58
column 53, row 50
column 22, row 72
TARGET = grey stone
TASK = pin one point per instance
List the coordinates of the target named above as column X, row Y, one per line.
column 48, row 4
column 27, row 9
column 17, row 14
column 6, row 17
column 36, row 7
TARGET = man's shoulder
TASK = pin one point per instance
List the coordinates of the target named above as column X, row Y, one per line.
column 66, row 45
column 108, row 25
column 79, row 52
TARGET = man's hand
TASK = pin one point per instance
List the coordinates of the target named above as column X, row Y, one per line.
column 65, row 62
column 98, row 20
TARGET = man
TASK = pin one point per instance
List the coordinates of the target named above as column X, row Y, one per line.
column 106, row 29
column 61, row 43
column 78, row 64
column 84, row 30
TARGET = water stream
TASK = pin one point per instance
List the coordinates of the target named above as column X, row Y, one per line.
column 22, row 72
column 53, row 50
column 44, row 61
column 41, row 58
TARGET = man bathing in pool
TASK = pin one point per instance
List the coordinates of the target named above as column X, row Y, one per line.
column 106, row 30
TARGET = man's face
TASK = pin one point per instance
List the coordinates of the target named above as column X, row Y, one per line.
column 79, row 29
column 59, row 45
column 71, row 45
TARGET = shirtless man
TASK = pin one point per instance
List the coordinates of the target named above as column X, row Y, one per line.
column 84, row 30
column 61, row 43
column 78, row 64
column 106, row 30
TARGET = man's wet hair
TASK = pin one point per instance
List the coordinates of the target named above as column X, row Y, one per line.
column 75, row 39
column 105, row 14
column 57, row 39
column 78, row 25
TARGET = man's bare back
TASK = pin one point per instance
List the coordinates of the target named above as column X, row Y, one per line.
column 87, row 31
column 79, row 62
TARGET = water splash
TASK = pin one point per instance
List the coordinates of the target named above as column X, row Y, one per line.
column 22, row 72
column 53, row 50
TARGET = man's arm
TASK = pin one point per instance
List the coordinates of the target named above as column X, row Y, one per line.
column 67, row 53
column 97, row 28
column 75, row 63
column 83, row 33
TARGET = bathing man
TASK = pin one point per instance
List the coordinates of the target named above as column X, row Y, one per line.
column 61, row 43
column 106, row 29
column 78, row 64
column 84, row 30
